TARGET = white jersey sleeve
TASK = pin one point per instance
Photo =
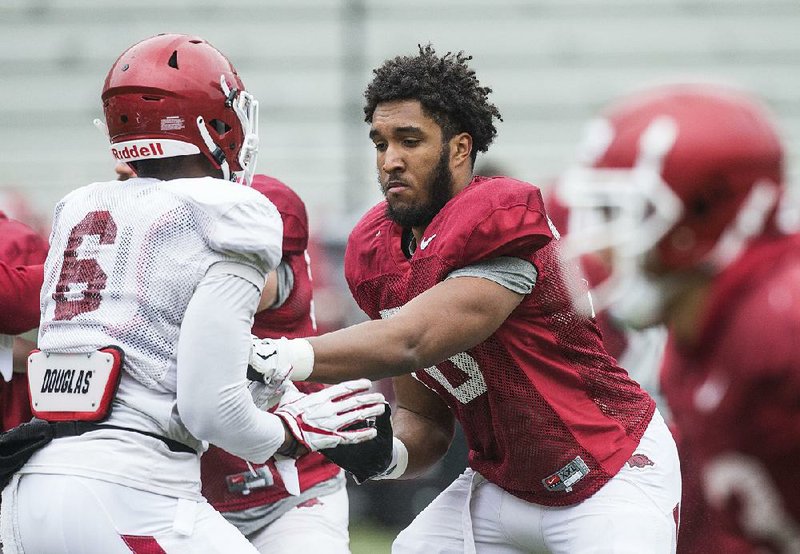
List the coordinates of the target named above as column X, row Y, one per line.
column 212, row 396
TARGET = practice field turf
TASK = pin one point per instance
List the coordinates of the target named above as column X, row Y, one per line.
column 371, row 539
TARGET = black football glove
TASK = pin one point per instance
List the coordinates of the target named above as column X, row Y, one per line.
column 367, row 459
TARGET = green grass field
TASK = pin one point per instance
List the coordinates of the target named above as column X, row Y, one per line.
column 371, row 539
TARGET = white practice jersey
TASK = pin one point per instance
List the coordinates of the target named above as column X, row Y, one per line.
column 125, row 259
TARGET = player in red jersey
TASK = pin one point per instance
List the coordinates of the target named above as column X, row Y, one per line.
column 472, row 317
column 19, row 297
column 684, row 182
column 19, row 245
column 255, row 497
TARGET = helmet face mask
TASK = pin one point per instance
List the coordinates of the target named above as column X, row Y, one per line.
column 176, row 95
column 670, row 182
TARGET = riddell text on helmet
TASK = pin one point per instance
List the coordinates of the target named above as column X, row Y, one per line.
column 135, row 152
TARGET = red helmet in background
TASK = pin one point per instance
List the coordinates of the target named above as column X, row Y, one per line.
column 675, row 178
column 176, row 95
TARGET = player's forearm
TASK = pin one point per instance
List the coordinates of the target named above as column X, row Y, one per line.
column 213, row 401
column 452, row 317
column 373, row 349
column 425, row 440
column 22, row 348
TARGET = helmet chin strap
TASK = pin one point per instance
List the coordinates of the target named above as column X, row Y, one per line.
column 101, row 126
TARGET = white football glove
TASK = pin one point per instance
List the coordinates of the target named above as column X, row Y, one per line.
column 273, row 361
column 267, row 365
column 319, row 420
column 264, row 397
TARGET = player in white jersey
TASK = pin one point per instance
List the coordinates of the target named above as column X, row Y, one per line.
column 149, row 293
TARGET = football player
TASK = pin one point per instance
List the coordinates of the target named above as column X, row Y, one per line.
column 309, row 513
column 472, row 316
column 150, row 287
column 19, row 245
column 680, row 185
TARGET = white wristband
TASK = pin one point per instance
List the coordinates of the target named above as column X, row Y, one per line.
column 300, row 354
column 399, row 461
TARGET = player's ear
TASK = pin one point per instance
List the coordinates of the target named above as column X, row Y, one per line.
column 461, row 148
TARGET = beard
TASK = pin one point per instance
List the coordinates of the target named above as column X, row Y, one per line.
column 440, row 191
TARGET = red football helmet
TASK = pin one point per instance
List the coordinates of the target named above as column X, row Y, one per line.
column 678, row 177
column 176, row 95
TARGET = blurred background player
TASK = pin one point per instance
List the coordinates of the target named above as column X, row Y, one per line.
column 19, row 246
column 680, row 185
column 313, row 517
column 149, row 293
column 639, row 351
column 461, row 277
column 19, row 297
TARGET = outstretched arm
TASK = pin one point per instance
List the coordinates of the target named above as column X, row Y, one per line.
column 449, row 318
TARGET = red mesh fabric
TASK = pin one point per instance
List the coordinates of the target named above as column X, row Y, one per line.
column 294, row 318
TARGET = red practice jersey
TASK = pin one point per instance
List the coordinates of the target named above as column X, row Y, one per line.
column 547, row 414
column 19, row 245
column 19, row 297
column 294, row 318
column 735, row 400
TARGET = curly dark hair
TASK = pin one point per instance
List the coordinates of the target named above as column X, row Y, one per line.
column 446, row 87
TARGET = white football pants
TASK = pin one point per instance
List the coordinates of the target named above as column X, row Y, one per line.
column 318, row 527
column 635, row 512
column 65, row 514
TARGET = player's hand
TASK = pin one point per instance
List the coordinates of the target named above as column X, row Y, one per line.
column 266, row 398
column 267, row 365
column 330, row 417
column 369, row 459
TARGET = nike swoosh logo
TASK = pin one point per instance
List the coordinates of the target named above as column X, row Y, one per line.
column 265, row 357
column 423, row 244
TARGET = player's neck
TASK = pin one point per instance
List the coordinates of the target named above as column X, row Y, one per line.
column 461, row 180
column 178, row 167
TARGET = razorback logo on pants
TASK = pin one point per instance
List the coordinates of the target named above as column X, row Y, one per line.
column 639, row 460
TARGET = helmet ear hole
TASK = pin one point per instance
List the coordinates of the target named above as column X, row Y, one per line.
column 219, row 126
column 173, row 60
column 699, row 207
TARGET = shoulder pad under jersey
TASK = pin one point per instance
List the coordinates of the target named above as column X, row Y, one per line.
column 291, row 208
column 491, row 217
column 367, row 252
column 244, row 222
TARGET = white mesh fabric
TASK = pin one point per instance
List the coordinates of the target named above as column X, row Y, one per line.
column 166, row 234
